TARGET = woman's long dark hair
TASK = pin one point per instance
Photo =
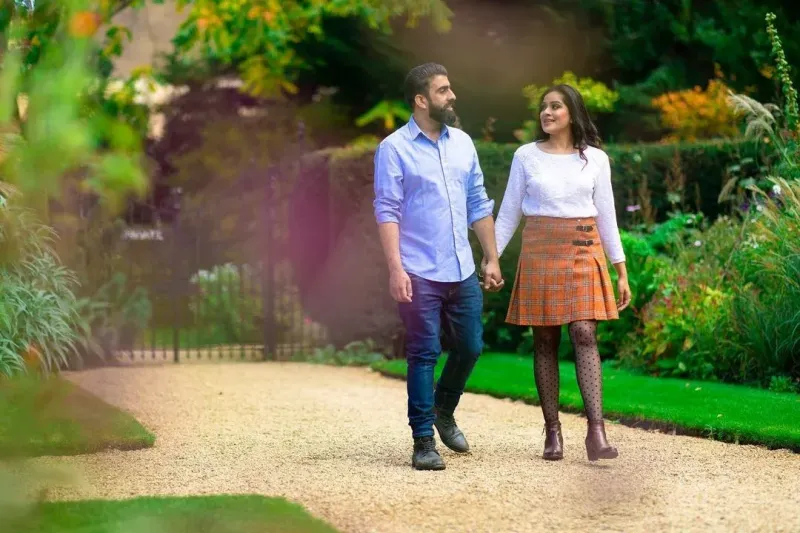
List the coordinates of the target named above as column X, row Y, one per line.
column 584, row 132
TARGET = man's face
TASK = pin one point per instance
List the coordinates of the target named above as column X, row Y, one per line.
column 440, row 101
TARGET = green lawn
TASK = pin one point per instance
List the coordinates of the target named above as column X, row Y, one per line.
column 54, row 417
column 207, row 514
column 720, row 411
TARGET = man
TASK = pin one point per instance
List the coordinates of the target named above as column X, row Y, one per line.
column 428, row 191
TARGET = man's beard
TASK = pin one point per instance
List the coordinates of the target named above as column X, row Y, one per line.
column 445, row 115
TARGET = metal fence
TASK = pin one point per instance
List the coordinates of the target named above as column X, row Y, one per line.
column 208, row 281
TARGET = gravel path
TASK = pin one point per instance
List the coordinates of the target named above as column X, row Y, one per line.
column 318, row 435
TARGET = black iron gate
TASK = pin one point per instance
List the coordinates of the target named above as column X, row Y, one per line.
column 212, row 281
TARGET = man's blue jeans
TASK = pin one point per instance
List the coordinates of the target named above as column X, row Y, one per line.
column 434, row 305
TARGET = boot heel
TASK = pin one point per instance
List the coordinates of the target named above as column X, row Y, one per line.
column 591, row 453
column 597, row 446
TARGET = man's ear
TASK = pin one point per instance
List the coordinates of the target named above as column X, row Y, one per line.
column 421, row 101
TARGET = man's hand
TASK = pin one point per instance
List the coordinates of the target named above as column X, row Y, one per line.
column 491, row 274
column 490, row 265
column 624, row 293
column 400, row 286
column 399, row 282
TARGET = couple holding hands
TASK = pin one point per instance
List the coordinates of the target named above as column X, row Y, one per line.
column 429, row 192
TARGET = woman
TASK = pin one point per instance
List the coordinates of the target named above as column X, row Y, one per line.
column 562, row 184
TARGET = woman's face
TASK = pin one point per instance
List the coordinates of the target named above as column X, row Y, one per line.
column 554, row 114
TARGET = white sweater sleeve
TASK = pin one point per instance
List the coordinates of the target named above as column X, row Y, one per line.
column 511, row 209
column 607, row 214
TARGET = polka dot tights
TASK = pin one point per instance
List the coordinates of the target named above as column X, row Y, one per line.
column 587, row 365
column 583, row 335
column 545, row 368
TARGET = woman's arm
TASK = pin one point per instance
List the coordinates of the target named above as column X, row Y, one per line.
column 511, row 208
column 607, row 214
column 609, row 232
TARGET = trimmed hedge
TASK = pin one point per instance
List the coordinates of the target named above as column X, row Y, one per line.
column 350, row 293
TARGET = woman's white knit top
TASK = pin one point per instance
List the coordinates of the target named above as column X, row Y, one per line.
column 562, row 186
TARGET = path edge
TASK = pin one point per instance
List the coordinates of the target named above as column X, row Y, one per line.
column 666, row 428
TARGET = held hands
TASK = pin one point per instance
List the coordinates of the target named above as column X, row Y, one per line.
column 624, row 293
column 400, row 283
column 400, row 286
column 491, row 274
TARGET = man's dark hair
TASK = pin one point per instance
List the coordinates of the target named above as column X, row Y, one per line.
column 418, row 80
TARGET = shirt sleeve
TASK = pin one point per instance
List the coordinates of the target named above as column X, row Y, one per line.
column 607, row 214
column 388, row 184
column 479, row 205
column 511, row 208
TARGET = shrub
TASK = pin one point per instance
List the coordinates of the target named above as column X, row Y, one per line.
column 356, row 353
column 40, row 318
column 727, row 300
column 733, row 312
column 224, row 311
column 763, row 329
column 41, row 325
column 643, row 267
column 697, row 113
column 116, row 316
column 680, row 327
column 229, row 306
column 676, row 331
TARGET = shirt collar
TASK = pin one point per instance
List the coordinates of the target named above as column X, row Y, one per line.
column 415, row 130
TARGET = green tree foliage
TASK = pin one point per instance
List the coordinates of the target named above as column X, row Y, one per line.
column 674, row 44
column 258, row 38
column 53, row 104
column 386, row 111
column 58, row 130
column 651, row 48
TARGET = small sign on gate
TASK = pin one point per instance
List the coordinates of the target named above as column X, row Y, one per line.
column 151, row 234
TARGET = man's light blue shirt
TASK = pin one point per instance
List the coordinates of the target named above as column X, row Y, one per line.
column 435, row 192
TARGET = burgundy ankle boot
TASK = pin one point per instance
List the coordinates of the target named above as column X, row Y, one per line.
column 553, row 442
column 597, row 446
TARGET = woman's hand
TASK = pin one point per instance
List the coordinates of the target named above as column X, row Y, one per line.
column 624, row 293
column 623, row 289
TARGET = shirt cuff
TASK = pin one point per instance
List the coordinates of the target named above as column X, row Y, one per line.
column 384, row 217
column 480, row 214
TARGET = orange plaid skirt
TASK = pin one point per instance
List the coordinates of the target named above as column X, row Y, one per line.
column 561, row 275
